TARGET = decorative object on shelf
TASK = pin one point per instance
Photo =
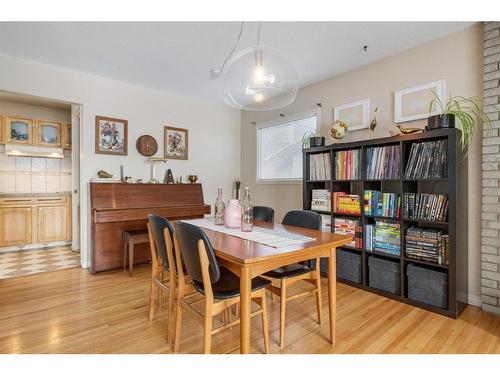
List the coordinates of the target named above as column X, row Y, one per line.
column 232, row 214
column 193, row 178
column 140, row 181
column 310, row 139
column 103, row 174
column 355, row 115
column 169, row 177
column 179, row 180
column 247, row 212
column 409, row 130
column 373, row 123
column 413, row 103
column 237, row 186
column 176, row 143
column 468, row 111
column 111, row 136
column 153, row 161
column 394, row 133
column 338, row 130
column 219, row 208
column 256, row 74
column 128, row 179
column 146, row 145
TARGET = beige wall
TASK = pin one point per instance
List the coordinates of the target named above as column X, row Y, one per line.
column 457, row 58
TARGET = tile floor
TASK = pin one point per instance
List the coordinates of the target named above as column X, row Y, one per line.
column 20, row 263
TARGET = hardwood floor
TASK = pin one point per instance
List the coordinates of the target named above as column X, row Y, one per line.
column 72, row 311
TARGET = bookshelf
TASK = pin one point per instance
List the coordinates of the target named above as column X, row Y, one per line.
column 452, row 184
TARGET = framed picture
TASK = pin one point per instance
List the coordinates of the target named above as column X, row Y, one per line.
column 356, row 115
column 413, row 103
column 110, row 136
column 176, row 143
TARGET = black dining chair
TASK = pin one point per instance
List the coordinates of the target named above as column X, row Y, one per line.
column 160, row 232
column 263, row 213
column 220, row 286
column 292, row 273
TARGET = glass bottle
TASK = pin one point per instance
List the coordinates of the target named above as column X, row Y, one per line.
column 247, row 213
column 219, row 208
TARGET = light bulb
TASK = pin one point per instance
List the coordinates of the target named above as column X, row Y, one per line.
column 259, row 97
column 259, row 74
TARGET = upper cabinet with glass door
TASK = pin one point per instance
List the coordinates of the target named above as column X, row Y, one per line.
column 48, row 134
column 18, row 130
column 66, row 136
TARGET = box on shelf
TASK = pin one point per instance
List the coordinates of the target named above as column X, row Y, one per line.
column 427, row 285
column 384, row 274
column 321, row 200
column 349, row 265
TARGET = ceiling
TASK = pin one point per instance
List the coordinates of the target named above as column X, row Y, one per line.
column 178, row 56
column 33, row 100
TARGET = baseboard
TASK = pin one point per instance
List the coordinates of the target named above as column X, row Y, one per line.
column 471, row 299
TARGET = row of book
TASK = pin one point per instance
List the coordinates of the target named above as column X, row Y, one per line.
column 427, row 160
column 429, row 207
column 383, row 237
column 326, row 223
column 344, row 203
column 383, row 162
column 321, row 200
column 377, row 203
column 319, row 166
column 347, row 165
column 430, row 245
column 350, row 227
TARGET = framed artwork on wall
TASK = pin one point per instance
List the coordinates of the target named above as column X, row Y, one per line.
column 111, row 136
column 176, row 143
column 412, row 103
column 356, row 115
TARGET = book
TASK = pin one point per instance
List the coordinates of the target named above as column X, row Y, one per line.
column 383, row 163
column 428, row 207
column 427, row 160
column 344, row 203
column 427, row 244
column 348, row 165
column 319, row 166
column 376, row 203
column 350, row 227
column 383, row 237
column 321, row 200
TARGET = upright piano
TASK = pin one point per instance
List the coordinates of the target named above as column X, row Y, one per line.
column 117, row 207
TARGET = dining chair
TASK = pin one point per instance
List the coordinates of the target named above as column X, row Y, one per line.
column 220, row 286
column 292, row 273
column 263, row 213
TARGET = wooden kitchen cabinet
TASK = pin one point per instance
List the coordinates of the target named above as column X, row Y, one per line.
column 48, row 134
column 15, row 226
column 18, row 130
column 66, row 136
column 38, row 219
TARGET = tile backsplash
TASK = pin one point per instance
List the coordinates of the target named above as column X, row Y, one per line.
column 34, row 175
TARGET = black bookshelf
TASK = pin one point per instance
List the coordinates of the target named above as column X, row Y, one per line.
column 454, row 185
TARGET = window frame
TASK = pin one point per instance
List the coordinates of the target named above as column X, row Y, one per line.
column 278, row 122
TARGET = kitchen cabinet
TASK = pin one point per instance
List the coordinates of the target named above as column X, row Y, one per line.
column 18, row 130
column 15, row 226
column 66, row 136
column 52, row 223
column 48, row 134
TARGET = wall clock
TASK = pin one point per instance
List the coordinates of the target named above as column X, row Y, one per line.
column 146, row 145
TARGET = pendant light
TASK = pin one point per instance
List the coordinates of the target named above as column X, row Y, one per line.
column 258, row 78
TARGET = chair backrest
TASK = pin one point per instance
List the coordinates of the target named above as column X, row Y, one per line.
column 303, row 219
column 188, row 236
column 263, row 213
column 158, row 224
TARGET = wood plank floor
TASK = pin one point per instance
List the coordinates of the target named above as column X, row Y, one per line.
column 71, row 311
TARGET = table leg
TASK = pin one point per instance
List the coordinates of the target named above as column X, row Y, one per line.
column 245, row 309
column 332, row 293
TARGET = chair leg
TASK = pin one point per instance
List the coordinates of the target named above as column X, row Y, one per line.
column 273, row 296
column 178, row 318
column 152, row 300
column 282, row 312
column 265, row 325
column 207, row 336
column 318, row 293
column 171, row 299
column 160, row 297
column 124, row 251
column 130, row 258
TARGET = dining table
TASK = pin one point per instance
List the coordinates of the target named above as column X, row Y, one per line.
column 250, row 257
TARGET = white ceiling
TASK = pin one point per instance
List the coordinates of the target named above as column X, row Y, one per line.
column 178, row 56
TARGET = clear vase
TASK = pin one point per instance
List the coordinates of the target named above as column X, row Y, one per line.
column 247, row 213
column 219, row 208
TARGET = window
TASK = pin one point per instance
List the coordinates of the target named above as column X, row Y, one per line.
column 279, row 147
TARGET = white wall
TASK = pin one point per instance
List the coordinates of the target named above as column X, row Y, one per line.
column 457, row 58
column 214, row 130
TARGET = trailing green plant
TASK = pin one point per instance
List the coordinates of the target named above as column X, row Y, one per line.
column 468, row 111
column 307, row 135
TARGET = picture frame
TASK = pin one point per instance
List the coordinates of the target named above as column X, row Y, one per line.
column 412, row 103
column 176, row 143
column 356, row 114
column 111, row 136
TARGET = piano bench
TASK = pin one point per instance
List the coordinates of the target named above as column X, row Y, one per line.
column 130, row 238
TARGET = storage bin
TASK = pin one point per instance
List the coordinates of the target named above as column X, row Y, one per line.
column 384, row 274
column 349, row 265
column 427, row 285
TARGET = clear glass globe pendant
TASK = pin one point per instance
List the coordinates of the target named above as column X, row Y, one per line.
column 259, row 78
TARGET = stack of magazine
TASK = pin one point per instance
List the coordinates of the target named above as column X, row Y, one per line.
column 383, row 163
column 428, row 160
column 319, row 166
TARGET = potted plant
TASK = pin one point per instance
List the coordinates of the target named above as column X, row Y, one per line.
column 310, row 139
column 468, row 111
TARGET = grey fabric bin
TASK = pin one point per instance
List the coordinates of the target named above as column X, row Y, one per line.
column 349, row 265
column 427, row 285
column 384, row 274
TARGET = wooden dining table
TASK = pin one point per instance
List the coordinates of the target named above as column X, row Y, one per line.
column 249, row 259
